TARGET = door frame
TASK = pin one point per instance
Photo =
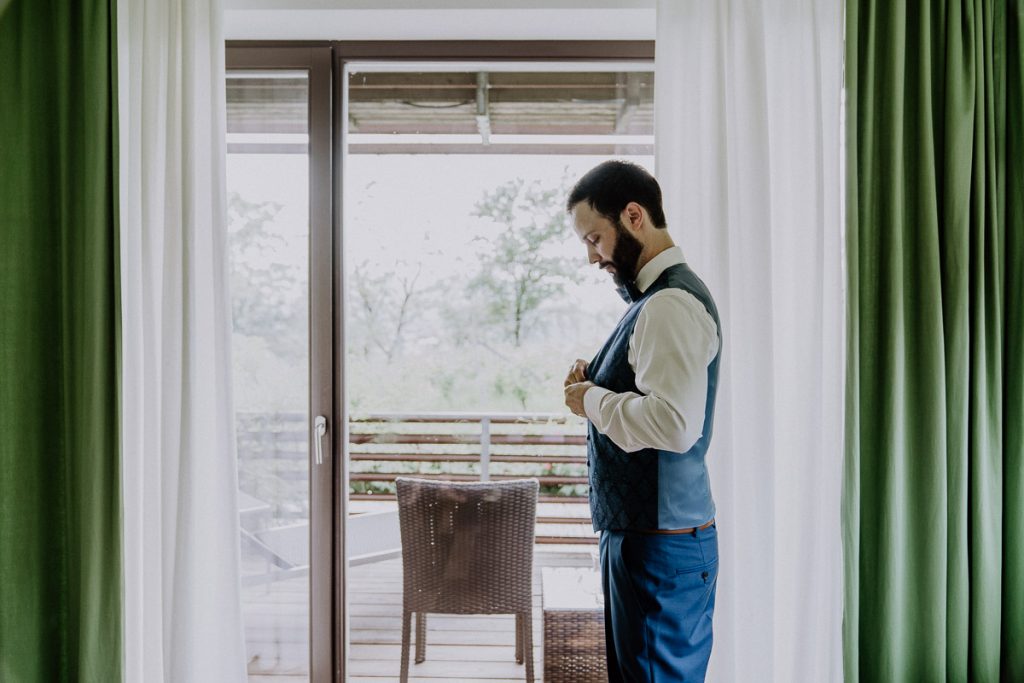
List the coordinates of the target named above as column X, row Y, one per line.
column 326, row 62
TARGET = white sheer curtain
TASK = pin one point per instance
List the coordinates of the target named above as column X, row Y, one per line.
column 748, row 155
column 181, row 539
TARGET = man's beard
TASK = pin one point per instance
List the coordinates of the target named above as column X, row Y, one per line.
column 625, row 255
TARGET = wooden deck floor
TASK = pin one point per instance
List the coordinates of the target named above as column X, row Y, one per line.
column 459, row 648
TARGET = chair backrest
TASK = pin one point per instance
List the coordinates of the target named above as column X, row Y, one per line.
column 467, row 548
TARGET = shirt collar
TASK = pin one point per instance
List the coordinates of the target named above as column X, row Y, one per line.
column 657, row 265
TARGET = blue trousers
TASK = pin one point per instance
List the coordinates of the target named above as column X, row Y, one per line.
column 659, row 598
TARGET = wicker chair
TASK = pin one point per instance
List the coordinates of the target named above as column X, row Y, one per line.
column 467, row 549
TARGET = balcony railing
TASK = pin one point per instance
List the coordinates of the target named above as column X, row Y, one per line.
column 273, row 452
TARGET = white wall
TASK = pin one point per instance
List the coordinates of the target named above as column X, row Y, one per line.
column 439, row 19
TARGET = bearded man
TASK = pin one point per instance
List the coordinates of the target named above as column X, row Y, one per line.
column 649, row 397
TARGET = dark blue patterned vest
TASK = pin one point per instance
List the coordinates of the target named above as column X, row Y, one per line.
column 650, row 488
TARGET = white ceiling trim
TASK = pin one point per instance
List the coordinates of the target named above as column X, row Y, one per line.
column 584, row 20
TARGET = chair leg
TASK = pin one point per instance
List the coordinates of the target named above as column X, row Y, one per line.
column 421, row 637
column 527, row 618
column 519, row 638
column 406, row 628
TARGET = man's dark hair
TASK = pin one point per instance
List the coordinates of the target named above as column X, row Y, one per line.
column 608, row 187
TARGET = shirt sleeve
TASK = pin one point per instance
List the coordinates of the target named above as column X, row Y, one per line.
column 673, row 342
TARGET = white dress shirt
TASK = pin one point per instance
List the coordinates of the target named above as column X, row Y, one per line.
column 673, row 342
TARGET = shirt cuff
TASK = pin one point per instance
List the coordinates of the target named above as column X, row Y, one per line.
column 592, row 404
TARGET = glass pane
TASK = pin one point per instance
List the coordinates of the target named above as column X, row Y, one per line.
column 468, row 297
column 268, row 232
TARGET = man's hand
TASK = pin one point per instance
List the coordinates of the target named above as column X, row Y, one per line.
column 574, row 396
column 577, row 373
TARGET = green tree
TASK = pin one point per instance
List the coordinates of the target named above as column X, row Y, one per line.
column 520, row 269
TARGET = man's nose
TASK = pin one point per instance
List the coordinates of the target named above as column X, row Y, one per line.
column 592, row 254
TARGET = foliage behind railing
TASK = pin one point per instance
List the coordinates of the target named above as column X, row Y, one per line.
column 273, row 453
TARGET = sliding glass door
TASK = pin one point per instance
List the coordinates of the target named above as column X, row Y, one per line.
column 406, row 295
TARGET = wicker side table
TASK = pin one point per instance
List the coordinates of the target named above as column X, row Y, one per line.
column 573, row 626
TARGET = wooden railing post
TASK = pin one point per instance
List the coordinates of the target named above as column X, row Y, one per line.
column 485, row 449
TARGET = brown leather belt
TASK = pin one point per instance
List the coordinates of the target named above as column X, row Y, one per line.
column 691, row 530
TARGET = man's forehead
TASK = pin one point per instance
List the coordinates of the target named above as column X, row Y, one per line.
column 584, row 216
column 586, row 220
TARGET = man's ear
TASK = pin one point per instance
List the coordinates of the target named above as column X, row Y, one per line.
column 633, row 216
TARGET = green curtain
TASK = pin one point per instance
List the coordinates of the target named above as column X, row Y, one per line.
column 933, row 493
column 60, row 558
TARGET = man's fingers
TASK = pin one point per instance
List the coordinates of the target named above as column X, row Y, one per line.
column 579, row 369
column 577, row 373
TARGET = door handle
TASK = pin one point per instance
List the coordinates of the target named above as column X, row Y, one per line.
column 319, row 429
